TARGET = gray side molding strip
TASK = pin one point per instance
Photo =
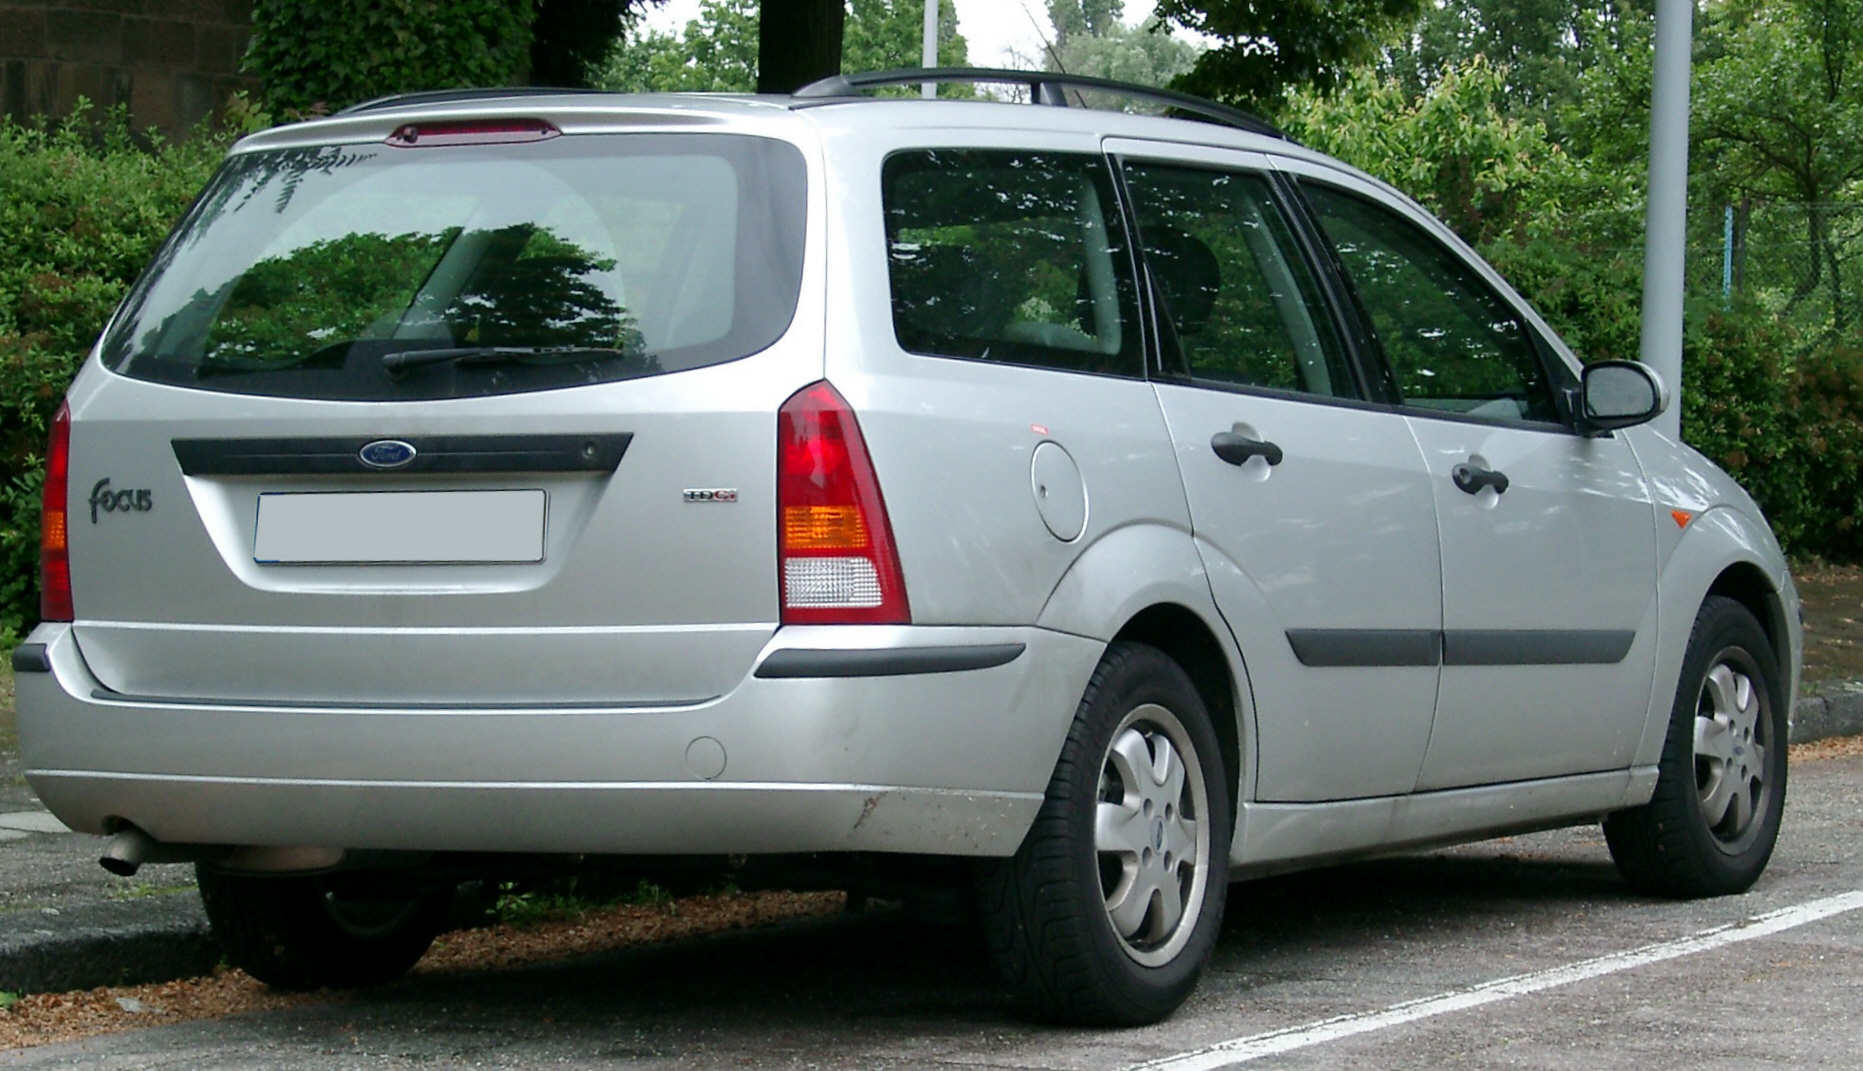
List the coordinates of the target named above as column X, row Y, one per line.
column 1459, row 647
column 886, row 661
column 1366, row 646
column 1536, row 647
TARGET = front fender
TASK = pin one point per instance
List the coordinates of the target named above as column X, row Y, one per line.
column 1712, row 542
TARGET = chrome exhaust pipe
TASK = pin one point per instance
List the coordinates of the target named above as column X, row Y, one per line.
column 127, row 851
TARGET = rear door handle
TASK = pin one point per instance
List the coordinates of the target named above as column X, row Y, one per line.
column 1472, row 478
column 1237, row 449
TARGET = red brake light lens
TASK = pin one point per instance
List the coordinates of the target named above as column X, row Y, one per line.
column 835, row 544
column 471, row 132
column 54, row 531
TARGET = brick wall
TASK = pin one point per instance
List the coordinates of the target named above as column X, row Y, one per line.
column 171, row 61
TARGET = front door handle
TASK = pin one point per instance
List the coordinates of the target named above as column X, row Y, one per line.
column 1471, row 478
column 1237, row 449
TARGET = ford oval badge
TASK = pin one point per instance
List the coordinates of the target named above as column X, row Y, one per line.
column 386, row 454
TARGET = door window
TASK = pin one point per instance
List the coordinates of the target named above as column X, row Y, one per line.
column 1240, row 305
column 1010, row 256
column 1452, row 342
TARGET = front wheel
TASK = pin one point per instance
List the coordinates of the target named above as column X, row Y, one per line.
column 1709, row 829
column 1107, row 913
column 343, row 931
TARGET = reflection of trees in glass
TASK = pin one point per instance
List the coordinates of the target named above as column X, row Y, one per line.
column 1446, row 335
column 1195, row 226
column 524, row 286
column 285, row 308
column 532, row 290
column 976, row 247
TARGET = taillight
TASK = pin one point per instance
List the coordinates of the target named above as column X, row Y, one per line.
column 834, row 543
column 54, row 533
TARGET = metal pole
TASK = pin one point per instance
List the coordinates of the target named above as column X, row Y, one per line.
column 1727, row 259
column 1666, row 221
column 928, row 56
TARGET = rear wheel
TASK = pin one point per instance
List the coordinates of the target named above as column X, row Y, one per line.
column 1709, row 829
column 1109, row 910
column 343, row 931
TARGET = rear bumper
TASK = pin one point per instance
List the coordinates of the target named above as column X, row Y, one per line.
column 952, row 762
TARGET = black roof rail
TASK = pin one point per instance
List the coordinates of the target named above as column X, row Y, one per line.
column 446, row 96
column 1045, row 87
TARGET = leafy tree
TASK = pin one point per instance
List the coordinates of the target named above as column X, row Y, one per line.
column 1781, row 96
column 1091, row 37
column 1269, row 46
column 716, row 51
column 1545, row 46
column 570, row 38
column 1451, row 147
column 311, row 58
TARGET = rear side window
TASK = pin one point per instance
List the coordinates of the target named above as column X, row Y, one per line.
column 1010, row 256
column 379, row 273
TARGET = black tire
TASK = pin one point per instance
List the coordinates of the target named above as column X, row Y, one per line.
column 1710, row 828
column 342, row 931
column 1049, row 911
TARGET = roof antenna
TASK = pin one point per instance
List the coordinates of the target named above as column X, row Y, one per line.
column 1047, row 45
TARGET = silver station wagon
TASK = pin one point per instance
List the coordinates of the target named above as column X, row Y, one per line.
column 1079, row 508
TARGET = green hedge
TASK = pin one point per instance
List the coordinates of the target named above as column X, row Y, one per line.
column 316, row 57
column 1784, row 417
column 82, row 207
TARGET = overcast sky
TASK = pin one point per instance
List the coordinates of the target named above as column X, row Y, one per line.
column 991, row 27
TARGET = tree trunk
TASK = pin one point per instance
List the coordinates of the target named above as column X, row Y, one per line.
column 798, row 41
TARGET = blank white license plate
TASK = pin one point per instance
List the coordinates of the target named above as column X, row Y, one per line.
column 389, row 527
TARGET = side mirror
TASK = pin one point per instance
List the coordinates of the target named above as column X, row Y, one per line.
column 1620, row 394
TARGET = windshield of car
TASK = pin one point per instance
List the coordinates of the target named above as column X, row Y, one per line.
column 580, row 259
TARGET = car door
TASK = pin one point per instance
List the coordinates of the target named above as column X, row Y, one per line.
column 1311, row 506
column 1548, row 544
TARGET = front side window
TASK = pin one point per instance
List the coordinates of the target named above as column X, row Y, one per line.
column 1452, row 342
column 1010, row 256
column 1238, row 298
column 371, row 272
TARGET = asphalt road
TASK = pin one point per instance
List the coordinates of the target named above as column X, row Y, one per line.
column 1379, row 965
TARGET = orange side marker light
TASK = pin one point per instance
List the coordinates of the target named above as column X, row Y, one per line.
column 1682, row 517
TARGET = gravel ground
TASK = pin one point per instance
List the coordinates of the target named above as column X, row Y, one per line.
column 1833, row 599
column 44, row 1018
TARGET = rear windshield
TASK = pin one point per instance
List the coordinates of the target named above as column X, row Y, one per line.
column 378, row 273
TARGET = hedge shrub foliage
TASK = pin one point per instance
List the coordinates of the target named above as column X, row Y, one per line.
column 82, row 207
column 313, row 58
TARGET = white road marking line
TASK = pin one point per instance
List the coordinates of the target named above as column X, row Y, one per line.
column 1242, row 1050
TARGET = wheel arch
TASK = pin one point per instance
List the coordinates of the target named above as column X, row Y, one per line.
column 1189, row 641
column 1146, row 582
column 1723, row 551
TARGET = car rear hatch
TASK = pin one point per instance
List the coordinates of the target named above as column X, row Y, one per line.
column 473, row 413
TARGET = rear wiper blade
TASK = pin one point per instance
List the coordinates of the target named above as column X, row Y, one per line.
column 402, row 360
